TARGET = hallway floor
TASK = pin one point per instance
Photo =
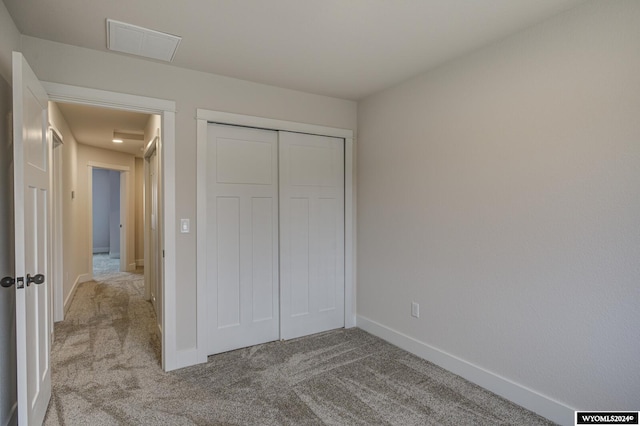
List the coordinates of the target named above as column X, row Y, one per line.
column 103, row 264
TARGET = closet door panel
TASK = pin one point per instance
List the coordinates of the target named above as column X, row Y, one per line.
column 299, row 273
column 228, row 261
column 242, row 237
column 311, row 234
column 263, row 252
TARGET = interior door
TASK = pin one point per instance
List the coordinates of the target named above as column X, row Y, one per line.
column 32, row 240
column 311, row 234
column 155, row 237
column 153, row 267
column 242, row 237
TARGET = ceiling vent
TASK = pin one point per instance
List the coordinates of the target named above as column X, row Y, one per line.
column 129, row 135
column 127, row 38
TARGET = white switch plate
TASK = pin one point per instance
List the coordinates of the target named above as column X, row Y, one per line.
column 184, row 226
column 415, row 310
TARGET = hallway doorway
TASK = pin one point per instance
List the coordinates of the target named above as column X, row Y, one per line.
column 164, row 112
column 108, row 216
column 106, row 237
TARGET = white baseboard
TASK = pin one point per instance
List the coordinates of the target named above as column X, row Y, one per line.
column 139, row 263
column 131, row 267
column 97, row 250
column 521, row 395
column 186, row 358
column 82, row 278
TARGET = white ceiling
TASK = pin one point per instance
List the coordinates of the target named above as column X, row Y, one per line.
column 95, row 126
column 343, row 48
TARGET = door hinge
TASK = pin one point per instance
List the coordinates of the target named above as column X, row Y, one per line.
column 163, row 254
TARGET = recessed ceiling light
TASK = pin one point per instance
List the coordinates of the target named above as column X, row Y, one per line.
column 117, row 141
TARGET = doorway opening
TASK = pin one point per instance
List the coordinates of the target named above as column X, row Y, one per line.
column 105, row 234
column 171, row 357
column 107, row 212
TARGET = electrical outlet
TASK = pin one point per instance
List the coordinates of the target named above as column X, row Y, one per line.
column 415, row 310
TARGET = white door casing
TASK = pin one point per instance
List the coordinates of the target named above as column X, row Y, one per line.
column 242, row 237
column 57, row 276
column 172, row 356
column 311, row 234
column 32, row 241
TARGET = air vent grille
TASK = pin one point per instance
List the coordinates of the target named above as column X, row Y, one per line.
column 134, row 40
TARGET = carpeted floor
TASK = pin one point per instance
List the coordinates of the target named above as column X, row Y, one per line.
column 103, row 264
column 106, row 371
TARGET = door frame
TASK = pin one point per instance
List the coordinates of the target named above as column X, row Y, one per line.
column 57, row 263
column 171, row 357
column 152, row 257
column 124, row 211
column 203, row 118
column 149, row 149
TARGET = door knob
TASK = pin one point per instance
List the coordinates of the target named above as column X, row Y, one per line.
column 36, row 279
column 7, row 282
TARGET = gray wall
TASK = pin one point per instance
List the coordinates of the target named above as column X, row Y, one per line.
column 8, row 397
column 501, row 191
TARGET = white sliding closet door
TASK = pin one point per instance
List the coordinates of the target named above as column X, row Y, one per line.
column 242, row 237
column 311, row 234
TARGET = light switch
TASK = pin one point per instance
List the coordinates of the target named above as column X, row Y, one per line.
column 184, row 226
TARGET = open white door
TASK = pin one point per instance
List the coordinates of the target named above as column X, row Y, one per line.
column 31, row 160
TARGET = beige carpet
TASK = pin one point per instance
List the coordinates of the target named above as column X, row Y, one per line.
column 106, row 371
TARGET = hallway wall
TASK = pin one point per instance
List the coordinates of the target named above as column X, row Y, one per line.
column 72, row 219
column 76, row 156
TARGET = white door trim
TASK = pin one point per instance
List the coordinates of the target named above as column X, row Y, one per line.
column 149, row 149
column 166, row 109
column 57, row 223
column 203, row 117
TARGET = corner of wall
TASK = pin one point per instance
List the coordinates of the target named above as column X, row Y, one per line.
column 514, row 392
column 10, row 40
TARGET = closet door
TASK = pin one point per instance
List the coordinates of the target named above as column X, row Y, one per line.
column 242, row 237
column 311, row 234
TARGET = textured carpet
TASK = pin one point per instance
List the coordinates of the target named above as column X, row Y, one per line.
column 106, row 371
column 103, row 264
